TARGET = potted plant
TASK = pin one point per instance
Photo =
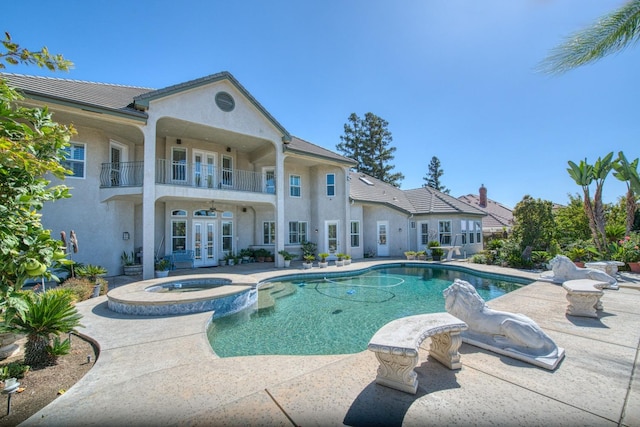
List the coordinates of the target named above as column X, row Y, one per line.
column 436, row 252
column 410, row 255
column 246, row 255
column 323, row 260
column 577, row 255
column 629, row 249
column 162, row 267
column 228, row 256
column 131, row 268
column 308, row 261
column 347, row 259
column 287, row 257
column 421, row 255
column 94, row 274
column 340, row 260
column 261, row 254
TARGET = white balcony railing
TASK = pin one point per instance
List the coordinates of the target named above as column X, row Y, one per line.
column 130, row 174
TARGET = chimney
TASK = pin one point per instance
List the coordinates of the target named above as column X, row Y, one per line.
column 483, row 196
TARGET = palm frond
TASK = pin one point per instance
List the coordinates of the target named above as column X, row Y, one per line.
column 612, row 33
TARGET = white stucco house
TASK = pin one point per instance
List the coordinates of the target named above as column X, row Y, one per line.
column 202, row 166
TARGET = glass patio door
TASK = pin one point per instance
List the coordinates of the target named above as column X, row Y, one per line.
column 204, row 243
column 383, row 246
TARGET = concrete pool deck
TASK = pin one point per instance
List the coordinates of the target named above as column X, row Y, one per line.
column 162, row 371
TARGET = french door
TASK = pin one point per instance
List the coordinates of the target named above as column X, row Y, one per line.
column 204, row 247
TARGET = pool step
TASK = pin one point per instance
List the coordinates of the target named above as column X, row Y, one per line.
column 268, row 293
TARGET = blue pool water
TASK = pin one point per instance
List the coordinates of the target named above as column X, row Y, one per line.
column 339, row 315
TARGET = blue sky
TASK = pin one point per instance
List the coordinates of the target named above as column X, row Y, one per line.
column 455, row 79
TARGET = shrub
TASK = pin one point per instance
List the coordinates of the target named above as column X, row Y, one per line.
column 13, row 370
column 309, row 248
column 80, row 288
column 59, row 348
column 479, row 259
column 91, row 272
column 49, row 313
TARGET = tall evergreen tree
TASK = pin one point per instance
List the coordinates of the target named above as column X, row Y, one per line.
column 433, row 176
column 367, row 140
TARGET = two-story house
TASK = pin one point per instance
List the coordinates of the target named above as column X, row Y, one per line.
column 202, row 166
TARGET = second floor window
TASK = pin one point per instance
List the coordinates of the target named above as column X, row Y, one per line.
column 75, row 160
column 331, row 184
column 294, row 185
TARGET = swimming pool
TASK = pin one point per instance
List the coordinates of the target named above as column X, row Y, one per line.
column 338, row 314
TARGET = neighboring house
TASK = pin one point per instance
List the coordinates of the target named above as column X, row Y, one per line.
column 394, row 221
column 499, row 219
column 202, row 166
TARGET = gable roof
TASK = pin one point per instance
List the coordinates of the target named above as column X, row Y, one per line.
column 119, row 99
column 142, row 100
column 99, row 97
column 498, row 215
column 418, row 201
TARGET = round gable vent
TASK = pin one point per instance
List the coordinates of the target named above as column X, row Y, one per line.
column 224, row 101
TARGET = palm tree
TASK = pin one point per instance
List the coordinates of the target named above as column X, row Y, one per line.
column 48, row 314
column 612, row 33
column 628, row 172
column 584, row 175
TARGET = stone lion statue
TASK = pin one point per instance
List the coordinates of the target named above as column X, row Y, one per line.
column 502, row 330
column 563, row 269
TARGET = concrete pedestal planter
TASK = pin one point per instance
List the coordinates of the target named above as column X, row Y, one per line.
column 162, row 273
column 133, row 270
column 340, row 263
column 323, row 264
column 307, row 265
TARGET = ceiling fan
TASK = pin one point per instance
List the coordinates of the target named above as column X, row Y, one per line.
column 212, row 209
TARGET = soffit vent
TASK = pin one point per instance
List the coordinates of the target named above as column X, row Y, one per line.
column 225, row 102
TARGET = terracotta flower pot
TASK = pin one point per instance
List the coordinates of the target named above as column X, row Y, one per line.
column 634, row 267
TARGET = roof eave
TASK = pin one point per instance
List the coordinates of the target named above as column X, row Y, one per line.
column 318, row 156
column 135, row 115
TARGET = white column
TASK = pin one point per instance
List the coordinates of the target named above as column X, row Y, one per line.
column 281, row 231
column 346, row 230
column 149, row 199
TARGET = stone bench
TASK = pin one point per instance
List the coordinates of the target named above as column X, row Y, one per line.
column 609, row 267
column 584, row 297
column 396, row 347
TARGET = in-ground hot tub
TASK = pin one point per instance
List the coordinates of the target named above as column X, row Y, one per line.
column 223, row 294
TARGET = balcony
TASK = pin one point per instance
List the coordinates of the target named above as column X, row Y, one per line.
column 195, row 175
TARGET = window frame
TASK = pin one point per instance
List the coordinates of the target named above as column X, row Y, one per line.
column 444, row 233
column 354, row 234
column 298, row 232
column 69, row 160
column 330, row 185
column 422, row 235
column 268, row 232
column 293, row 185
